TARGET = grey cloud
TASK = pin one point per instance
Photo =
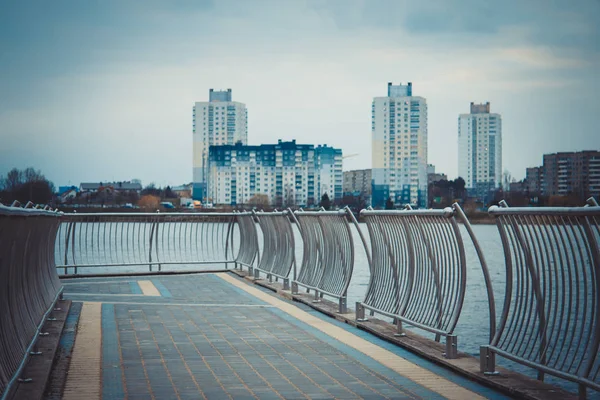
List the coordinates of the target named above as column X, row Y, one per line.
column 550, row 23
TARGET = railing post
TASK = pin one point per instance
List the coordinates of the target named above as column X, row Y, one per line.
column 157, row 248
column 294, row 287
column 150, row 246
column 316, row 299
column 487, row 360
column 286, row 284
column 67, row 236
column 73, row 247
column 451, row 346
column 342, row 305
column 360, row 312
column 582, row 391
column 293, row 214
column 399, row 328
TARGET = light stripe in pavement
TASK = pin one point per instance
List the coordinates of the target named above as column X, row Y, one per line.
column 148, row 288
column 83, row 379
column 396, row 363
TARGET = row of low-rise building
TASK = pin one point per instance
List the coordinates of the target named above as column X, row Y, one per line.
column 562, row 174
column 88, row 189
column 229, row 171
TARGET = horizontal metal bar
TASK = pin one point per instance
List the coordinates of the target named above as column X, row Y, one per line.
column 271, row 273
column 446, row 212
column 319, row 213
column 273, row 213
column 408, row 321
column 145, row 263
column 571, row 211
column 243, row 263
column 155, row 215
column 337, row 296
column 543, row 368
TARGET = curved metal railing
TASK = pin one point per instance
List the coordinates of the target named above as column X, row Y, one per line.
column 418, row 271
column 328, row 256
column 551, row 315
column 152, row 239
column 278, row 253
column 29, row 285
column 248, row 248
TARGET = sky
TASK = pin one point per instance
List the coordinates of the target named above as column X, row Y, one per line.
column 103, row 90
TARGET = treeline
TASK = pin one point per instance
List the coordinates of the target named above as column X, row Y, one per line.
column 444, row 192
column 26, row 185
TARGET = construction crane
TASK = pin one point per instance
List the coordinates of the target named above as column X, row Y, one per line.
column 350, row 155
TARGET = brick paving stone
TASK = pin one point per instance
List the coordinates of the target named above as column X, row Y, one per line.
column 205, row 338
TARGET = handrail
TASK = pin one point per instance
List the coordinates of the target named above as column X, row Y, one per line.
column 550, row 319
column 150, row 239
column 278, row 255
column 328, row 256
column 248, row 240
column 418, row 273
column 29, row 285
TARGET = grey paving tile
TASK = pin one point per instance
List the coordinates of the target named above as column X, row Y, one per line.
column 227, row 349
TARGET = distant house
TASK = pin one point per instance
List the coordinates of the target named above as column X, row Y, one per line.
column 183, row 190
column 64, row 189
column 518, row 187
column 67, row 195
column 110, row 187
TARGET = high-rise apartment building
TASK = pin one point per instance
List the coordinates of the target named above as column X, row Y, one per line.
column 219, row 121
column 399, row 147
column 480, row 150
column 576, row 173
column 289, row 174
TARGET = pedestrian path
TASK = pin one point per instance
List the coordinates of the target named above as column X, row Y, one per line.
column 217, row 336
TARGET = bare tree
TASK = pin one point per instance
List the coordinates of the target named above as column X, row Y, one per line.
column 13, row 180
column 27, row 185
column 31, row 175
column 259, row 200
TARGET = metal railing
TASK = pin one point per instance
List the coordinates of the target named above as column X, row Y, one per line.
column 328, row 256
column 248, row 247
column 139, row 239
column 29, row 285
column 418, row 270
column 278, row 253
column 550, row 319
column 551, row 315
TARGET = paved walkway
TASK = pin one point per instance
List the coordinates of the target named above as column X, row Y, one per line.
column 216, row 336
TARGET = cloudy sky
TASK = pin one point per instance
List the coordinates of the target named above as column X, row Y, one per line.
column 104, row 90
